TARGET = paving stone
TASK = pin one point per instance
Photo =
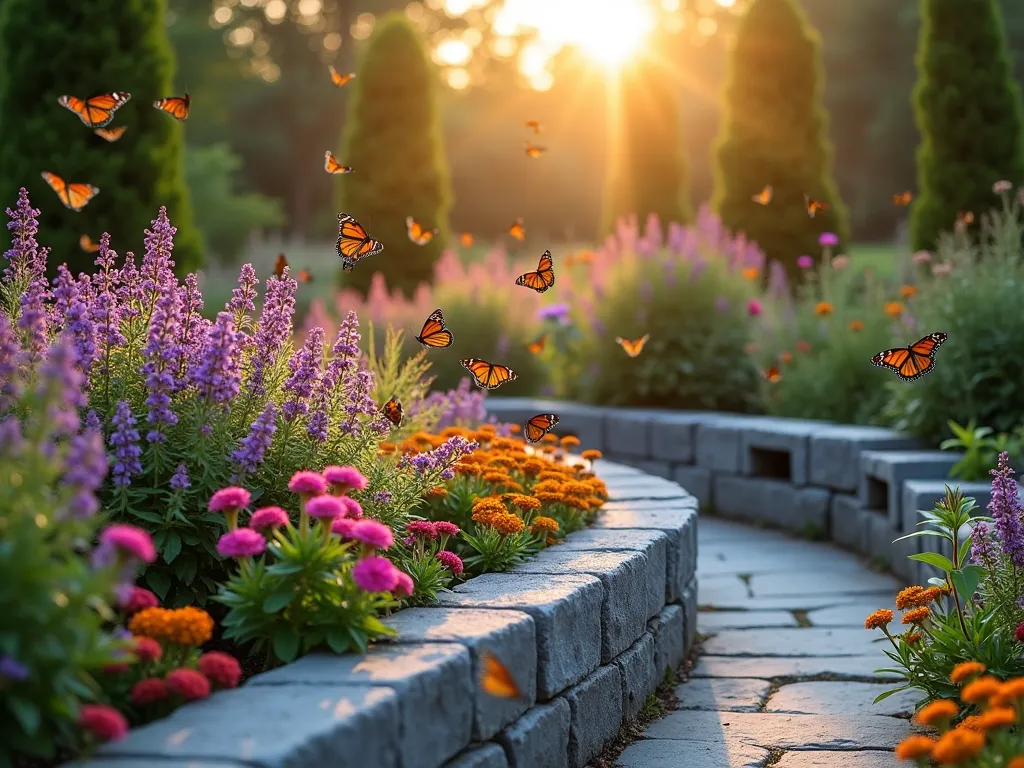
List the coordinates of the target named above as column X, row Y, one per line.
column 778, row 666
column 595, row 707
column 638, row 674
column 485, row 756
column 727, row 694
column 608, row 468
column 849, row 522
column 723, row 587
column 139, row 762
column 628, row 431
column 719, row 444
column 842, row 698
column 780, row 731
column 696, row 481
column 802, row 510
column 434, row 682
column 826, row 583
column 884, row 472
column 809, row 641
column 281, row 726
column 540, row 738
column 850, row 614
column 668, row 629
column 673, row 435
column 865, row 759
column 689, row 605
column 566, row 611
column 778, row 448
column 835, row 453
column 634, row 590
column 793, row 602
column 773, row 557
column 665, row 753
column 719, row 530
column 509, row 635
column 716, row 621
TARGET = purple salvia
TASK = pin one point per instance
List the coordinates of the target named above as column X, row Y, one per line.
column 382, row 497
column 179, row 480
column 344, row 360
column 65, row 291
column 676, row 234
column 83, row 332
column 129, row 288
column 304, row 367
column 86, row 468
column 11, row 439
column 274, row 328
column 194, row 328
column 358, row 401
column 11, row 360
column 243, row 298
column 25, row 260
column 162, row 354
column 983, row 548
column 125, row 442
column 254, row 445
column 61, row 384
column 32, row 319
column 157, row 270
column 218, row 376
column 1005, row 508
column 441, row 458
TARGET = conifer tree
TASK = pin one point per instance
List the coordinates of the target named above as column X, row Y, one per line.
column 393, row 142
column 49, row 48
column 774, row 132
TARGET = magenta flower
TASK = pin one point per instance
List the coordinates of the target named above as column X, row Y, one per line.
column 343, row 527
column 344, row 479
column 373, row 533
column 241, row 542
column 307, row 481
column 404, row 587
column 325, row 507
column 753, row 307
column 268, row 518
column 444, row 528
column 129, row 540
column 805, row 262
column 231, row 498
column 451, row 561
column 828, row 239
column 374, row 574
column 424, row 528
column 353, row 509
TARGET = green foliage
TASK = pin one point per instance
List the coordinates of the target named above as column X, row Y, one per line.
column 393, row 141
column 494, row 551
column 225, row 217
column 968, row 109
column 44, row 53
column 774, row 131
column 429, row 575
column 981, row 448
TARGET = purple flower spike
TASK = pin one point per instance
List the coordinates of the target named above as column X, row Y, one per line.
column 1006, row 510
column 125, row 441
column 162, row 354
column 26, row 260
column 305, row 373
column 243, row 298
column 254, row 445
column 157, row 270
column 218, row 376
column 179, row 480
column 275, row 327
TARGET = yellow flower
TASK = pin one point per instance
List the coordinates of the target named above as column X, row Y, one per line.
column 570, row 441
column 856, row 326
column 938, row 712
column 915, row 747
column 957, row 746
column 506, row 523
column 906, row 291
column 980, row 690
column 878, row 619
column 917, row 615
column 591, row 454
column 823, row 309
column 965, row 670
column 893, row 309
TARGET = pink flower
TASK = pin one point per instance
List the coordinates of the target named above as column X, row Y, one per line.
column 345, row 478
column 268, row 518
column 805, row 262
column 424, row 528
column 343, row 527
column 405, row 587
column 130, row 541
column 375, row 574
column 146, row 648
column 371, row 532
column 1002, row 186
column 353, row 509
column 188, row 683
column 828, row 239
column 325, row 507
column 840, row 262
column 149, row 690
column 105, row 723
column 444, row 528
column 232, row 498
column 305, row 481
column 922, row 257
column 221, row 669
column 242, row 542
column 451, row 561
column 139, row 598
column 753, row 307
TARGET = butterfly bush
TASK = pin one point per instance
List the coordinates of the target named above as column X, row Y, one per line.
column 185, row 405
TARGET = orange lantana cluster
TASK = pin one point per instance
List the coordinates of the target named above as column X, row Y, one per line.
column 187, row 626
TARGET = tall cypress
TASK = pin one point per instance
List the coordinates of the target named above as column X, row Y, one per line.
column 49, row 48
column 774, row 132
column 393, row 142
column 968, row 110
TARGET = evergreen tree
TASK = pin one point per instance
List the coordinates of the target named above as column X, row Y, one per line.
column 49, row 48
column 968, row 110
column 393, row 142
column 648, row 172
column 774, row 132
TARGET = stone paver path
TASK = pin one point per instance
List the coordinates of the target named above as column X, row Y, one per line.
column 786, row 677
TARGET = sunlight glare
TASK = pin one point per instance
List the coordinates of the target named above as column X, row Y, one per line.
column 454, row 53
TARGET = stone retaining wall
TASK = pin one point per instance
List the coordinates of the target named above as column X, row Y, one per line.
column 588, row 628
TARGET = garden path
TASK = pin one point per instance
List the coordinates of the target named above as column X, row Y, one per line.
column 786, row 673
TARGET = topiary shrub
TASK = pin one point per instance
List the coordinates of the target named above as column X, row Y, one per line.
column 393, row 142
column 774, row 131
column 968, row 111
column 50, row 48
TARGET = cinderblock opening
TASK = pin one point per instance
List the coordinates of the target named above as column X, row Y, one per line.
column 878, row 494
column 772, row 463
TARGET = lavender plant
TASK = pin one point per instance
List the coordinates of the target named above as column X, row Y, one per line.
column 186, row 405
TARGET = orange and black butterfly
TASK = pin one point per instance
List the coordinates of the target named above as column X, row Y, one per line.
column 339, row 79
column 518, row 230
column 965, row 218
column 772, row 375
column 543, row 278
column 488, row 375
column 333, row 166
column 535, row 429
column 435, row 335
column 537, row 346
column 354, row 244
column 903, row 198
column 305, row 276
column 111, row 134
column 532, row 150
column 75, row 196
column 392, row 410
column 86, row 244
column 634, row 347
column 417, row 233
column 466, row 240
column 175, row 106
column 764, row 196
column 98, row 110
column 280, row 264
column 914, row 361
column 813, row 206
column 495, row 679
column 534, row 125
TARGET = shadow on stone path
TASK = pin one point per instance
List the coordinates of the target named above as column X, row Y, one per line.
column 786, row 677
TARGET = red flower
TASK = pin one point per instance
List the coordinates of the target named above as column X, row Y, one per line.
column 222, row 669
column 103, row 722
column 146, row 648
column 188, row 683
column 1018, row 634
column 116, row 669
column 140, row 598
column 149, row 690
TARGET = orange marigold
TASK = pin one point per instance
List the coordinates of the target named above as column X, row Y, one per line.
column 570, row 441
column 487, row 429
column 1013, row 688
column 437, row 492
column 939, row 711
column 549, row 449
column 501, row 460
column 909, row 597
column 151, row 622
column 591, row 454
column 980, row 689
column 190, row 626
column 997, row 717
column 915, row 747
column 550, row 438
column 532, row 467
column 525, row 503
column 544, row 525
column 931, row 594
column 785, row 357
column 1016, row 762
column 549, row 497
column 917, row 615
column 488, row 504
column 386, row 447
column 496, row 478
column 515, row 429
column 464, row 468
column 823, row 309
column 450, row 432
column 893, row 309
column 973, row 722
column 912, row 637
column 880, row 618
column 957, row 746
column 506, row 523
column 856, row 325
column 551, row 475
column 965, row 670
column 906, row 291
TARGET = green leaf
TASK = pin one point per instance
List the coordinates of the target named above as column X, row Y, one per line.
column 965, row 548
column 145, row 514
column 26, row 712
column 966, row 580
column 286, row 643
column 933, row 558
column 172, row 547
column 186, row 567
column 943, row 534
column 159, row 581
column 279, row 600
column 887, row 694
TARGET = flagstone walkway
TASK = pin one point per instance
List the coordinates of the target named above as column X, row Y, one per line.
column 786, row 674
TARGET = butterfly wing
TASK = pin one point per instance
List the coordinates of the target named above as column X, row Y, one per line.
column 354, row 244
column 305, row 275
column 535, row 429
column 79, row 195
column 393, row 411
column 543, row 278
column 488, row 375
column 111, row 134
column 495, row 679
column 518, row 230
column 57, row 185
column 97, row 111
column 772, row 374
column 536, row 347
column 893, row 359
column 434, row 334
column 466, row 240
column 175, row 106
column 86, row 244
column 339, row 79
column 764, row 196
column 280, row 264
column 331, row 165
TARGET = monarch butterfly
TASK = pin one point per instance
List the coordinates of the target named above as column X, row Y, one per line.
column 280, row 264
column 535, row 429
column 488, row 375
column 111, row 134
column 534, row 125
column 635, row 347
column 96, row 111
column 533, row 150
column 965, row 218
column 813, row 206
column 466, row 240
column 434, row 334
column 764, row 196
column 75, row 196
column 333, row 166
column 543, row 278
column 305, row 276
column 339, row 79
column 914, row 361
column 518, row 230
column 392, row 410
column 86, row 244
column 417, row 233
column 537, row 346
column 772, row 375
column 903, row 198
column 495, row 679
column 175, row 106
column 354, row 244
